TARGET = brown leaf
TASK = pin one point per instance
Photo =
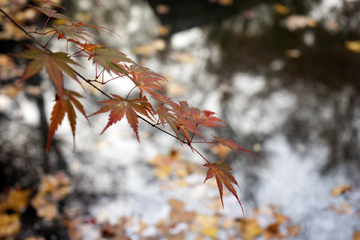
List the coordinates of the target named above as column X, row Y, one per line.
column 222, row 175
column 272, row 231
column 120, row 107
column 356, row 236
column 64, row 104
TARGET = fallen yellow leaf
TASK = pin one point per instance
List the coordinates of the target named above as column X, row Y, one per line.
column 282, row 9
column 353, row 46
column 249, row 228
column 9, row 225
column 342, row 188
column 208, row 225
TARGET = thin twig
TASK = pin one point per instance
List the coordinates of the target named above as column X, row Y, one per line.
column 22, row 29
column 86, row 80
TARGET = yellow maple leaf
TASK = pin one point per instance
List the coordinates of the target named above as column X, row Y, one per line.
column 249, row 228
column 342, row 188
column 353, row 46
column 208, row 225
column 282, row 9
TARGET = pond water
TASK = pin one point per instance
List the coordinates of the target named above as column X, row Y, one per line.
column 284, row 78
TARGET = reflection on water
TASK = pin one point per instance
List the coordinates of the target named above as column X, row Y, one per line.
column 302, row 59
column 283, row 76
column 307, row 59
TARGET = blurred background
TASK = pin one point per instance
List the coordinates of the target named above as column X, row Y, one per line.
column 282, row 74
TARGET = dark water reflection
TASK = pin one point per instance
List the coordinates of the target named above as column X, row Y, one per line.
column 318, row 69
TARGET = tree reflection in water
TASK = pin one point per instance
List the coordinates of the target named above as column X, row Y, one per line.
column 311, row 62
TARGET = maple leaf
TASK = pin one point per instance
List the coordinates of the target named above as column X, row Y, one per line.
column 56, row 63
column 98, row 28
column 73, row 32
column 164, row 100
column 50, row 2
column 108, row 58
column 166, row 117
column 51, row 13
column 119, row 107
column 205, row 118
column 222, row 175
column 234, row 146
column 64, row 105
column 146, row 80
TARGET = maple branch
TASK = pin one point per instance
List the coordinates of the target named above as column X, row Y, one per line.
column 164, row 131
column 83, row 78
column 22, row 29
column 201, row 155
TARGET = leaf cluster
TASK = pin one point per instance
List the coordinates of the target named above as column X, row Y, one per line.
column 185, row 122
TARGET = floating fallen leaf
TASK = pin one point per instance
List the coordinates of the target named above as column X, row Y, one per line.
column 342, row 188
column 249, row 228
column 208, row 225
column 293, row 53
column 44, row 209
column 55, row 187
column 163, row 30
column 281, row 218
column 9, row 225
column 16, row 200
column 177, row 214
column 356, row 236
column 272, row 231
column 353, row 46
column 282, row 9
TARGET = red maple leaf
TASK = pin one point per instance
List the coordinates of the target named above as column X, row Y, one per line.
column 205, row 118
column 166, row 117
column 56, row 63
column 222, row 175
column 146, row 80
column 64, row 105
column 119, row 107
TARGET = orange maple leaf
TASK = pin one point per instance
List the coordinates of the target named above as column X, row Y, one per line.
column 222, row 175
column 146, row 80
column 56, row 63
column 64, row 105
column 120, row 107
